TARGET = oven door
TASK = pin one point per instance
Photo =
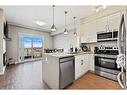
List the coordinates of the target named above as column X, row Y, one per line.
column 105, row 62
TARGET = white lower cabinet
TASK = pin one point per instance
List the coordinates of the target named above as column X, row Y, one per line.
column 91, row 62
column 78, row 67
column 81, row 65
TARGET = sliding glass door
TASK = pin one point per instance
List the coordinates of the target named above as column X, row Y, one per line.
column 37, row 47
column 27, row 42
column 30, row 47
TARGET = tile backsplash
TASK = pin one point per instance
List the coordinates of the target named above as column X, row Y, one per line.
column 97, row 44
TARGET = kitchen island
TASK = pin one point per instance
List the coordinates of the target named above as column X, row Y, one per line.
column 58, row 69
column 61, row 69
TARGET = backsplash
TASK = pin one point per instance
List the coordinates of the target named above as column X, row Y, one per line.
column 97, row 44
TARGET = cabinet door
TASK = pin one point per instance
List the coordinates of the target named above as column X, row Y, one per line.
column 91, row 62
column 101, row 24
column 78, row 67
column 114, row 21
column 85, row 66
column 89, row 32
column 84, row 38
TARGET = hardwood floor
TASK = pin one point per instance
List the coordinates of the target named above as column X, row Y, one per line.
column 29, row 76
column 23, row 76
column 92, row 81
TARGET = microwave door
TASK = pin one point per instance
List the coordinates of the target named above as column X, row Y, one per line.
column 122, row 52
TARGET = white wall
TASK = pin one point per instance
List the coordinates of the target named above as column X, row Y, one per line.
column 1, row 40
column 12, row 46
column 64, row 41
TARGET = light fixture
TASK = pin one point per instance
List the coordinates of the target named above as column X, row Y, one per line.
column 53, row 28
column 104, row 6
column 65, row 30
column 75, row 33
column 97, row 10
column 101, row 7
column 40, row 23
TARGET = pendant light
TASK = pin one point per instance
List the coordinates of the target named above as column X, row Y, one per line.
column 65, row 30
column 75, row 33
column 53, row 28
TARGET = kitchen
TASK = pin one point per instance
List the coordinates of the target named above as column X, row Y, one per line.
column 98, row 53
column 84, row 45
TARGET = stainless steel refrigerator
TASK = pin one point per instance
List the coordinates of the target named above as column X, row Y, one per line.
column 122, row 58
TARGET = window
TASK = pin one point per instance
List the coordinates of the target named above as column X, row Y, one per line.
column 33, row 46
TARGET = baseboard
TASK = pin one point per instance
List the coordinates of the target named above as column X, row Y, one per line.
column 91, row 71
column 31, row 60
column 2, row 72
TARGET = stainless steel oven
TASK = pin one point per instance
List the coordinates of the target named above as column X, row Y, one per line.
column 105, row 62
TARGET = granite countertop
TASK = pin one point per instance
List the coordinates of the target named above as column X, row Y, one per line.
column 59, row 55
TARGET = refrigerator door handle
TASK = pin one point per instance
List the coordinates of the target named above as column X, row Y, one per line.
column 120, row 34
column 120, row 77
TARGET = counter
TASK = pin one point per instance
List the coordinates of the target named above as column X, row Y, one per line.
column 59, row 55
column 51, row 67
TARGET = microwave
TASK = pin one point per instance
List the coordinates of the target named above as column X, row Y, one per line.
column 107, row 36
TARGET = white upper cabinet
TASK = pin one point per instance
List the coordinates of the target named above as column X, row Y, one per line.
column 101, row 24
column 104, row 24
column 114, row 21
column 89, row 32
column 108, row 23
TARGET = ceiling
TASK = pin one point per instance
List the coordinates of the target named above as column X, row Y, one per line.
column 27, row 15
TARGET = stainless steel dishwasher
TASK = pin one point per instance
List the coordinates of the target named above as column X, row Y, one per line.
column 67, row 71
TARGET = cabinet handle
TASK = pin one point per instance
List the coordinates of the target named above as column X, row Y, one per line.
column 106, row 28
column 81, row 62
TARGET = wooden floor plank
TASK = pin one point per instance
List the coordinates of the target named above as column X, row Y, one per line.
column 29, row 76
column 92, row 81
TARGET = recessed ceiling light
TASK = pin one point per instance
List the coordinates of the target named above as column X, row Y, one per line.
column 40, row 23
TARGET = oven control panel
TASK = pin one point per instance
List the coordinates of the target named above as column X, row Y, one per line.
column 106, row 50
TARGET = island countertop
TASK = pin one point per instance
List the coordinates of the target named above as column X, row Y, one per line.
column 59, row 55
